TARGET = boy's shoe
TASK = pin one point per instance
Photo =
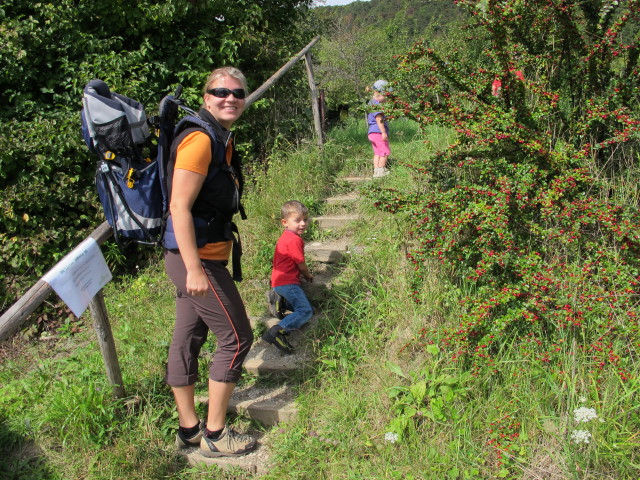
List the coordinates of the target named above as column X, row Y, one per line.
column 229, row 444
column 194, row 441
column 282, row 306
column 275, row 302
column 277, row 336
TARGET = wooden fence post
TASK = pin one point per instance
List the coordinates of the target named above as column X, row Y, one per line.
column 17, row 314
column 13, row 318
column 323, row 111
column 106, row 342
column 314, row 100
column 258, row 92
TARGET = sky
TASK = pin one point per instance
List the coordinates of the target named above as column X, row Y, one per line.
column 331, row 3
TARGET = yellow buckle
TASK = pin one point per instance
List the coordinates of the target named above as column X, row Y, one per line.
column 129, row 177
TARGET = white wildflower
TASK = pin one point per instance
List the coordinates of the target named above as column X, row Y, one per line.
column 391, row 437
column 581, row 436
column 584, row 414
column 582, row 399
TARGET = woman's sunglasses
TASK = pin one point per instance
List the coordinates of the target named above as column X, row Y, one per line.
column 239, row 93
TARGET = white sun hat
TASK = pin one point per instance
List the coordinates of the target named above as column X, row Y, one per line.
column 381, row 86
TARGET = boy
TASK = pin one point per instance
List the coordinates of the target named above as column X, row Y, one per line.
column 288, row 266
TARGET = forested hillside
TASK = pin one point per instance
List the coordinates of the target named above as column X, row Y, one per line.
column 361, row 40
column 416, row 16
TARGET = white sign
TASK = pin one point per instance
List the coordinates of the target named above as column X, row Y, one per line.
column 79, row 276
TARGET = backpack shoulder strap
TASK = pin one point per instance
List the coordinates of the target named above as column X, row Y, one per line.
column 194, row 122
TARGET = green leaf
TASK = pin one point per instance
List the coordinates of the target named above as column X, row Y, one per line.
column 394, row 392
column 433, row 349
column 393, row 368
column 418, row 391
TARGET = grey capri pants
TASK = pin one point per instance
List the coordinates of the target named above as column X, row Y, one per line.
column 221, row 311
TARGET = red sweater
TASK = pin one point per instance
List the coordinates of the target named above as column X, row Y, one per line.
column 289, row 253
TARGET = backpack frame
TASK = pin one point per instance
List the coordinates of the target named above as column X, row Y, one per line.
column 130, row 179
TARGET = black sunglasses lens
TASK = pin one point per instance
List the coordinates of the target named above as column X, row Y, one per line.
column 239, row 93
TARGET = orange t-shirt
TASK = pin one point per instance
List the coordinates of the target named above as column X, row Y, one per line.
column 194, row 154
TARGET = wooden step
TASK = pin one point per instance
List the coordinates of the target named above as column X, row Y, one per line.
column 336, row 221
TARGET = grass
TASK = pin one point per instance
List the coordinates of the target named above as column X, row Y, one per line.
column 376, row 369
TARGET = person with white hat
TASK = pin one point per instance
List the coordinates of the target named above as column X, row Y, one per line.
column 378, row 132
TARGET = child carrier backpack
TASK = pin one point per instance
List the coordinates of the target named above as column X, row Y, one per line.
column 131, row 174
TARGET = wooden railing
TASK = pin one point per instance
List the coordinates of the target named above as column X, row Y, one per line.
column 19, row 312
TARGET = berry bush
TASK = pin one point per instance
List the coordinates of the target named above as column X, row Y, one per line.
column 525, row 206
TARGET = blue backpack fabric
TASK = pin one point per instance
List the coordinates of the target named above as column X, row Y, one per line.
column 131, row 174
column 131, row 182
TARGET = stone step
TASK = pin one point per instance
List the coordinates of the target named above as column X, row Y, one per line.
column 264, row 358
column 353, row 179
column 336, row 221
column 330, row 251
column 267, row 320
column 255, row 462
column 319, row 289
column 341, row 199
column 267, row 405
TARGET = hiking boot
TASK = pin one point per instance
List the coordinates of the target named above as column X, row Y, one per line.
column 229, row 444
column 194, row 441
column 277, row 336
column 275, row 302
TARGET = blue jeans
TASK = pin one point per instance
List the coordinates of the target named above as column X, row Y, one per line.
column 300, row 306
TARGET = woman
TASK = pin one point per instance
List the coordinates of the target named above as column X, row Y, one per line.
column 204, row 197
